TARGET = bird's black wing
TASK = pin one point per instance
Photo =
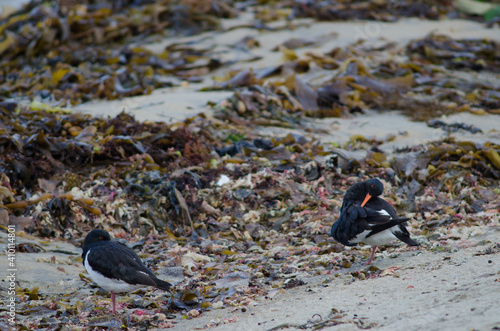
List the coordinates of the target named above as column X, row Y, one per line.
column 402, row 233
column 115, row 260
column 376, row 217
column 353, row 220
column 376, row 228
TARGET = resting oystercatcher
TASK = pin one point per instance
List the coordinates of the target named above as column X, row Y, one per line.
column 364, row 217
column 115, row 267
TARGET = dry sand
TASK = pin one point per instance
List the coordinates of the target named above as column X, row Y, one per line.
column 452, row 288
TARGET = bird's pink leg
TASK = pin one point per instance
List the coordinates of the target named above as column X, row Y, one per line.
column 114, row 304
column 374, row 248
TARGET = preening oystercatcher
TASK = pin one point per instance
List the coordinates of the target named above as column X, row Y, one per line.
column 115, row 267
column 364, row 217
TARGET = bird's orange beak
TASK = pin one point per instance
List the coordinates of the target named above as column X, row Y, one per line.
column 368, row 197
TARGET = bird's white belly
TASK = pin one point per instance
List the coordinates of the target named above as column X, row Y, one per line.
column 360, row 237
column 381, row 238
column 109, row 284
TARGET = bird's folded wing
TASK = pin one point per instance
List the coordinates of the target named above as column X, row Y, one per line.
column 381, row 227
column 351, row 222
column 354, row 219
column 120, row 262
column 374, row 217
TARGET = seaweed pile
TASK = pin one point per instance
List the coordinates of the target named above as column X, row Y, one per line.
column 71, row 53
column 424, row 80
column 388, row 11
column 453, row 54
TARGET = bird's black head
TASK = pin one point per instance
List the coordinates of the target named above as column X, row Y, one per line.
column 374, row 187
column 358, row 191
column 95, row 236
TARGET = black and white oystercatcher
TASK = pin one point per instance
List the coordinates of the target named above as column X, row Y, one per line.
column 364, row 217
column 115, row 267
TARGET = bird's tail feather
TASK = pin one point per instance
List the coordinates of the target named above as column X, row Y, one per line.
column 406, row 239
column 162, row 285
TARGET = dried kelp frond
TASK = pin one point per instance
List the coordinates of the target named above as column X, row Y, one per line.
column 356, row 77
column 388, row 11
column 74, row 52
column 473, row 54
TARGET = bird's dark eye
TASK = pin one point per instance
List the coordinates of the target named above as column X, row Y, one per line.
column 101, row 237
column 373, row 186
